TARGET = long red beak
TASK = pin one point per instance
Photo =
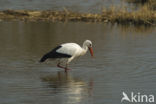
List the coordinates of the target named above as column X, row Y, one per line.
column 91, row 51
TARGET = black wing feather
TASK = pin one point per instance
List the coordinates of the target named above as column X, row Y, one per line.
column 54, row 54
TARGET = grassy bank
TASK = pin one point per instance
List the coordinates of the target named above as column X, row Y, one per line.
column 144, row 16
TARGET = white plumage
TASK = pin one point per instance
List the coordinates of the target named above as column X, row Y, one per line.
column 68, row 51
column 69, row 48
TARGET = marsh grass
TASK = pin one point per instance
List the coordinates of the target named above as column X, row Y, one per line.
column 120, row 15
column 151, row 4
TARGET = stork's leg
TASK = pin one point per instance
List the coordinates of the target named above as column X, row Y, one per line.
column 58, row 65
column 66, row 68
column 68, row 61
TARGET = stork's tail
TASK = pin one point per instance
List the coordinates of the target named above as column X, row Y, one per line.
column 44, row 58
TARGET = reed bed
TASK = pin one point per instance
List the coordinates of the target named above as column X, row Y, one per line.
column 143, row 16
column 151, row 4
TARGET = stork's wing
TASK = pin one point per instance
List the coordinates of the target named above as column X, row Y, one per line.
column 54, row 54
column 68, row 49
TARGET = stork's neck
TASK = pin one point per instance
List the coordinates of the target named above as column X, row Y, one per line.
column 84, row 49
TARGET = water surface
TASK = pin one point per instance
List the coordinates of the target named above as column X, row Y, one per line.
column 125, row 60
column 74, row 5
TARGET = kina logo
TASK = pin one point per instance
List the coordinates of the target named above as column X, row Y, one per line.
column 137, row 97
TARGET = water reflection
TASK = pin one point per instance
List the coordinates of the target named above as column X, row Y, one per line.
column 136, row 28
column 124, row 60
column 73, row 89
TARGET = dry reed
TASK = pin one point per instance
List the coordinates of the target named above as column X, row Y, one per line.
column 113, row 14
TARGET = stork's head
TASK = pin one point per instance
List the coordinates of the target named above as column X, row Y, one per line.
column 88, row 43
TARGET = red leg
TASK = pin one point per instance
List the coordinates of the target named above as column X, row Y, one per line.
column 58, row 65
column 65, row 68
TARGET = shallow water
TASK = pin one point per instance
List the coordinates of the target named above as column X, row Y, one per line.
column 74, row 5
column 125, row 60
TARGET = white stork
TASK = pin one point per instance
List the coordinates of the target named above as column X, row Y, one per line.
column 66, row 52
